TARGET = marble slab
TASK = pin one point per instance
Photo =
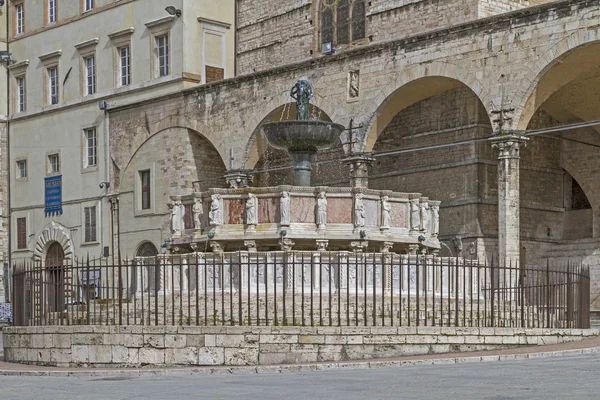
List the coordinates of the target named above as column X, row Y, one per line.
column 339, row 210
column 303, row 209
column 234, row 210
column 268, row 211
column 371, row 213
column 399, row 215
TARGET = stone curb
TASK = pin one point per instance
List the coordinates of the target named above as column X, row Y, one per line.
column 275, row 369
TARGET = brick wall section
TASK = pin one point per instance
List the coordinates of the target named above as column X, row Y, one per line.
column 107, row 346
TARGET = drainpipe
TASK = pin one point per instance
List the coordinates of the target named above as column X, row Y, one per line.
column 235, row 39
column 8, row 162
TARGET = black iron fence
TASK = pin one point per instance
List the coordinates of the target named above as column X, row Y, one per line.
column 302, row 289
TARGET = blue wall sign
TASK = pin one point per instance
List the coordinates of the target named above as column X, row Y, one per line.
column 53, row 195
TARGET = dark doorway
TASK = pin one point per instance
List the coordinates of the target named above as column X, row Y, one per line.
column 55, row 277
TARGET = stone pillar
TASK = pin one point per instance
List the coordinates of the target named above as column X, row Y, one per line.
column 239, row 178
column 359, row 169
column 508, row 195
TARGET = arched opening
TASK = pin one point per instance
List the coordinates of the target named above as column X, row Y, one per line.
column 412, row 138
column 274, row 167
column 559, row 186
column 145, row 277
column 55, row 277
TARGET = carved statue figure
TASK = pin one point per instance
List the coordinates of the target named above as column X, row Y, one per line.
column 435, row 229
column 359, row 211
column 251, row 206
column 386, row 210
column 415, row 216
column 285, row 208
column 197, row 212
column 425, row 216
column 177, row 214
column 353, row 85
column 215, row 210
column 321, row 210
column 302, row 92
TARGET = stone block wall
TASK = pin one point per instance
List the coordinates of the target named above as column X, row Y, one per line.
column 134, row 346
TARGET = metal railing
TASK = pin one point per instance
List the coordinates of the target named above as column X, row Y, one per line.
column 302, row 289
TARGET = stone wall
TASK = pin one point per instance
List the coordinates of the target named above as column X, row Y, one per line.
column 127, row 346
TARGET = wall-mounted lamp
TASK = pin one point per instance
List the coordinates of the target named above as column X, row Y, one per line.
column 173, row 11
column 104, row 185
column 5, row 58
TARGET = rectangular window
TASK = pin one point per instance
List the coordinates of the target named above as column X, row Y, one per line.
column 20, row 18
column 91, row 147
column 162, row 48
column 21, row 169
column 124, row 66
column 90, row 224
column 88, row 5
column 21, row 233
column 53, row 85
column 145, row 186
column 90, row 75
column 53, row 163
column 21, row 102
column 52, row 14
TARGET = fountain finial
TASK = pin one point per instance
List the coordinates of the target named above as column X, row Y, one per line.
column 302, row 92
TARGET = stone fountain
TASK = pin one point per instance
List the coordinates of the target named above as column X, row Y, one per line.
column 300, row 216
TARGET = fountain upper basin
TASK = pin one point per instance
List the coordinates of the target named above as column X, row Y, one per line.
column 298, row 136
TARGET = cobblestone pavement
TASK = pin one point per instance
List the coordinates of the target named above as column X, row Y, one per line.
column 565, row 377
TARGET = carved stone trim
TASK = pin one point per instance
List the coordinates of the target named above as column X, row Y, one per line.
column 54, row 232
column 322, row 244
column 508, row 145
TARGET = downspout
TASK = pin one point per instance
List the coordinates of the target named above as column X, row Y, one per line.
column 8, row 169
column 235, row 39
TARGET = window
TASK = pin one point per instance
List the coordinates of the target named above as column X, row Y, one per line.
column 88, row 5
column 91, row 147
column 90, row 224
column 90, row 74
column 21, row 233
column 145, row 189
column 21, row 169
column 21, row 101
column 162, row 48
column 53, row 163
column 342, row 21
column 20, row 18
column 124, row 66
column 52, row 14
column 53, row 85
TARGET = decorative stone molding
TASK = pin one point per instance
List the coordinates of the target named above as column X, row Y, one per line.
column 250, row 245
column 508, row 145
column 386, row 247
column 359, row 246
column 286, row 244
column 359, row 169
column 54, row 232
column 239, row 178
column 216, row 247
column 412, row 249
column 322, row 245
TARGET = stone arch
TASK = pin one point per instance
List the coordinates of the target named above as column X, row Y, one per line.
column 146, row 249
column 412, row 85
column 253, row 150
column 528, row 99
column 53, row 232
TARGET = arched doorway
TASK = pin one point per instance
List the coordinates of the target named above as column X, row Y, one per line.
column 55, row 277
column 145, row 272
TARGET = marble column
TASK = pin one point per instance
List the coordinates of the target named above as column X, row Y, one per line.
column 359, row 169
column 508, row 195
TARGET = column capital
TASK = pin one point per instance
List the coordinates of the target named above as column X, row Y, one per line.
column 508, row 145
column 239, row 178
column 359, row 168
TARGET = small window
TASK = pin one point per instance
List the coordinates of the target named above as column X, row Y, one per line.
column 52, row 85
column 52, row 14
column 53, row 163
column 90, row 224
column 342, row 21
column 145, row 189
column 20, row 18
column 21, row 100
column 21, row 169
column 21, row 233
column 90, row 74
column 162, row 48
column 88, row 5
column 124, row 66
column 91, row 147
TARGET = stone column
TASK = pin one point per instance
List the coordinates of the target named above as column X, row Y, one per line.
column 508, row 195
column 359, row 169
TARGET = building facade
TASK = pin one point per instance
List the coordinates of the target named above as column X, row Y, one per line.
column 72, row 62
